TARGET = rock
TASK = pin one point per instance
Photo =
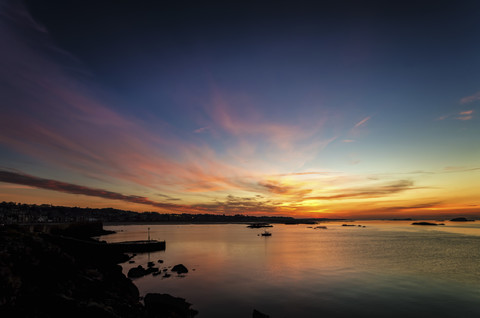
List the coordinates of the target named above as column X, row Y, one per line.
column 136, row 272
column 131, row 262
column 160, row 261
column 164, row 305
column 258, row 314
column 150, row 264
column 424, row 223
column 180, row 269
column 461, row 219
column 139, row 271
column 166, row 275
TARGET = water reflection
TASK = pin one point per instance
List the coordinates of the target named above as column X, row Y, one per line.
column 299, row 271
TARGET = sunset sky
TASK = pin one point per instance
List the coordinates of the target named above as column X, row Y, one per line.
column 305, row 109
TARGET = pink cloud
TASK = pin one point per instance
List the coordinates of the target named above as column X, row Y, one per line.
column 465, row 115
column 201, row 130
column 58, row 117
column 470, row 99
column 250, row 123
column 442, row 117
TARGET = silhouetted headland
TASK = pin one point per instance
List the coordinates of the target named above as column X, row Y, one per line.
column 46, row 274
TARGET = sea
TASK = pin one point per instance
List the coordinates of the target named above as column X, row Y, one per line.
column 370, row 269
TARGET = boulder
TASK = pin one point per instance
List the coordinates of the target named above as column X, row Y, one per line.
column 180, row 269
column 136, row 272
column 139, row 271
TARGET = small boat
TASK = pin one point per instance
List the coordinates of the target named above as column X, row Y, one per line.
column 266, row 233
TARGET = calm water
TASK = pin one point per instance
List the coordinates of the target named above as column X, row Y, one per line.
column 387, row 269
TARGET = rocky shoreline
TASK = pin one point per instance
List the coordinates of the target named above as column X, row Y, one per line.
column 51, row 275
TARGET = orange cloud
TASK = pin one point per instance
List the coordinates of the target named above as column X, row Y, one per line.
column 369, row 192
column 279, row 188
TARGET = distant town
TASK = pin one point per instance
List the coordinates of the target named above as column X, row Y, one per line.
column 18, row 213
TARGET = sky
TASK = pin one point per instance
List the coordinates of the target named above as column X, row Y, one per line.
column 358, row 109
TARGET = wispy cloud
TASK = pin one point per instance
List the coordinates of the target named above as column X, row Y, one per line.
column 201, row 130
column 454, row 169
column 362, row 122
column 470, row 99
column 442, row 117
column 56, row 114
column 369, row 192
column 241, row 205
column 277, row 187
column 250, row 123
column 463, row 115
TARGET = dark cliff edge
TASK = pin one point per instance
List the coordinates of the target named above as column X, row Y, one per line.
column 51, row 275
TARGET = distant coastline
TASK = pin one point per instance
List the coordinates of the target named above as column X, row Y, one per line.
column 15, row 213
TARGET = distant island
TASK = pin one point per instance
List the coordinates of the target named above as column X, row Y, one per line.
column 427, row 223
column 461, row 219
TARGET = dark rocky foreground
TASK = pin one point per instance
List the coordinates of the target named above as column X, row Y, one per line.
column 49, row 275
